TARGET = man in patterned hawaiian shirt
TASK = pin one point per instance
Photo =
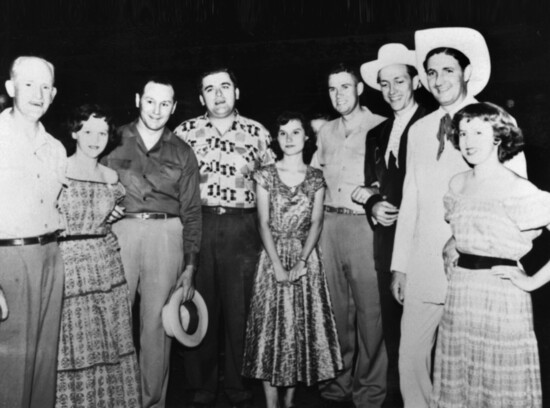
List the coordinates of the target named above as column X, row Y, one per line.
column 229, row 147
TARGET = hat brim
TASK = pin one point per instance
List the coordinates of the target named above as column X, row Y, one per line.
column 369, row 70
column 172, row 323
column 468, row 41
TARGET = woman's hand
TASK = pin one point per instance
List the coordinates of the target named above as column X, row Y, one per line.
column 517, row 276
column 281, row 275
column 298, row 270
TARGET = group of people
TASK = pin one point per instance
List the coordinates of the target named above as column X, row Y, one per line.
column 302, row 245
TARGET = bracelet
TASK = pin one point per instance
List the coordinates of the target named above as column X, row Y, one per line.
column 303, row 259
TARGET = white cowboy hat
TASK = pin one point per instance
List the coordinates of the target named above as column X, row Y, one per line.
column 187, row 321
column 388, row 54
column 467, row 40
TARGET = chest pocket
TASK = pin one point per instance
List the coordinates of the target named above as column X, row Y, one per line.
column 169, row 179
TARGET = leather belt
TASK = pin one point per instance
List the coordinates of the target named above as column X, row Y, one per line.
column 40, row 239
column 227, row 210
column 470, row 261
column 342, row 210
column 78, row 237
column 150, row 216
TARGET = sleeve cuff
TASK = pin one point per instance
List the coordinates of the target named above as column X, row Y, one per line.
column 191, row 259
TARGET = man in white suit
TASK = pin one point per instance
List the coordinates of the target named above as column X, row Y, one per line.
column 454, row 65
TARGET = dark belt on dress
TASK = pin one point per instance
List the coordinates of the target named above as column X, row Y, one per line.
column 470, row 261
column 78, row 237
column 150, row 216
column 227, row 210
column 341, row 210
column 40, row 239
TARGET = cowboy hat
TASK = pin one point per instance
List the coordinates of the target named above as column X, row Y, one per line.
column 388, row 54
column 187, row 321
column 467, row 40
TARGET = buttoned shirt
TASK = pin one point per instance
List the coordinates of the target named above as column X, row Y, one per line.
column 421, row 228
column 32, row 173
column 400, row 122
column 341, row 157
column 227, row 161
column 162, row 179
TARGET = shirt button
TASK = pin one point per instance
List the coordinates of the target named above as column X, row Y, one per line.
column 339, row 189
column 41, row 201
column 38, row 176
column 144, row 198
column 144, row 176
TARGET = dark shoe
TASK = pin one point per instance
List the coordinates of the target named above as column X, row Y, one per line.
column 328, row 403
column 202, row 405
column 244, row 404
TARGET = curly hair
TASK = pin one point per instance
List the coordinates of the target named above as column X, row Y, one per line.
column 84, row 112
column 309, row 145
column 505, row 128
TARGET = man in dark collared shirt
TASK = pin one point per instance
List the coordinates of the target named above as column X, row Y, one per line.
column 229, row 147
column 161, row 232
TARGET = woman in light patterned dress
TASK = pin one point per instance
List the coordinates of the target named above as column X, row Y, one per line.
column 290, row 334
column 97, row 363
column 486, row 352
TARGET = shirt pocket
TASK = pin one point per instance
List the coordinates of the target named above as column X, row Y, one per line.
column 169, row 180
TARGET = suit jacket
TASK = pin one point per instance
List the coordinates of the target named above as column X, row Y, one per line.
column 390, row 179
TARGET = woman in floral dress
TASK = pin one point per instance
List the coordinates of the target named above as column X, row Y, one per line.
column 97, row 363
column 486, row 350
column 291, row 335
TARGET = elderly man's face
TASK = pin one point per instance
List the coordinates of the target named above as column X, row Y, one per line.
column 219, row 95
column 32, row 88
column 344, row 91
column 446, row 79
column 397, row 86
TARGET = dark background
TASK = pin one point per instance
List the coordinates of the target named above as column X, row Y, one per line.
column 280, row 50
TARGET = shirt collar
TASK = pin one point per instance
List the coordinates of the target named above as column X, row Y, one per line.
column 406, row 114
column 467, row 101
column 7, row 126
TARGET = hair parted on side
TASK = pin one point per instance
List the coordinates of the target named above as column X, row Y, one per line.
column 310, row 144
column 82, row 113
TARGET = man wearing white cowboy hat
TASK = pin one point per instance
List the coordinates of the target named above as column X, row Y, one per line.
column 454, row 65
column 349, row 265
column 394, row 74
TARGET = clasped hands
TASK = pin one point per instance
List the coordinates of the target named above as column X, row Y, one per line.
column 295, row 273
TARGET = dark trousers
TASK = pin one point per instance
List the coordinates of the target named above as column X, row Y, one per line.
column 229, row 252
column 32, row 279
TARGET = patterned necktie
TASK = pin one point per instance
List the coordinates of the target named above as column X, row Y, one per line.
column 443, row 133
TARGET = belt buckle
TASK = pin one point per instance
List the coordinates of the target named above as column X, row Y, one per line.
column 144, row 216
column 43, row 239
column 220, row 210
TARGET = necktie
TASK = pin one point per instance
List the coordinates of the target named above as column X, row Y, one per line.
column 443, row 133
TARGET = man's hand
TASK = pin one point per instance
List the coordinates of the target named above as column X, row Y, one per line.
column 385, row 213
column 361, row 194
column 116, row 214
column 4, row 312
column 398, row 281
column 186, row 282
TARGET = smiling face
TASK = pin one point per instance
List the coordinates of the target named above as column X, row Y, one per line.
column 446, row 79
column 31, row 87
column 219, row 95
column 292, row 137
column 344, row 91
column 397, row 86
column 476, row 140
column 156, row 105
column 93, row 137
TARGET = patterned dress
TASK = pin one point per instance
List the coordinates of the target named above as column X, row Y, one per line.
column 291, row 335
column 486, row 351
column 97, row 363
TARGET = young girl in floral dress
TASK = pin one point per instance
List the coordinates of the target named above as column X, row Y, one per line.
column 291, row 335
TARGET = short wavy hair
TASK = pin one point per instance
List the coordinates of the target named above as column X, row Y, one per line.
column 81, row 114
column 505, row 128
column 310, row 144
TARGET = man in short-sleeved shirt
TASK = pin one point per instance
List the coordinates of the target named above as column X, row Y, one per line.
column 346, row 242
column 229, row 147
column 32, row 172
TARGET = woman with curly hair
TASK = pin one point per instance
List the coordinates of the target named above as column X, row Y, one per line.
column 486, row 350
column 97, row 363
